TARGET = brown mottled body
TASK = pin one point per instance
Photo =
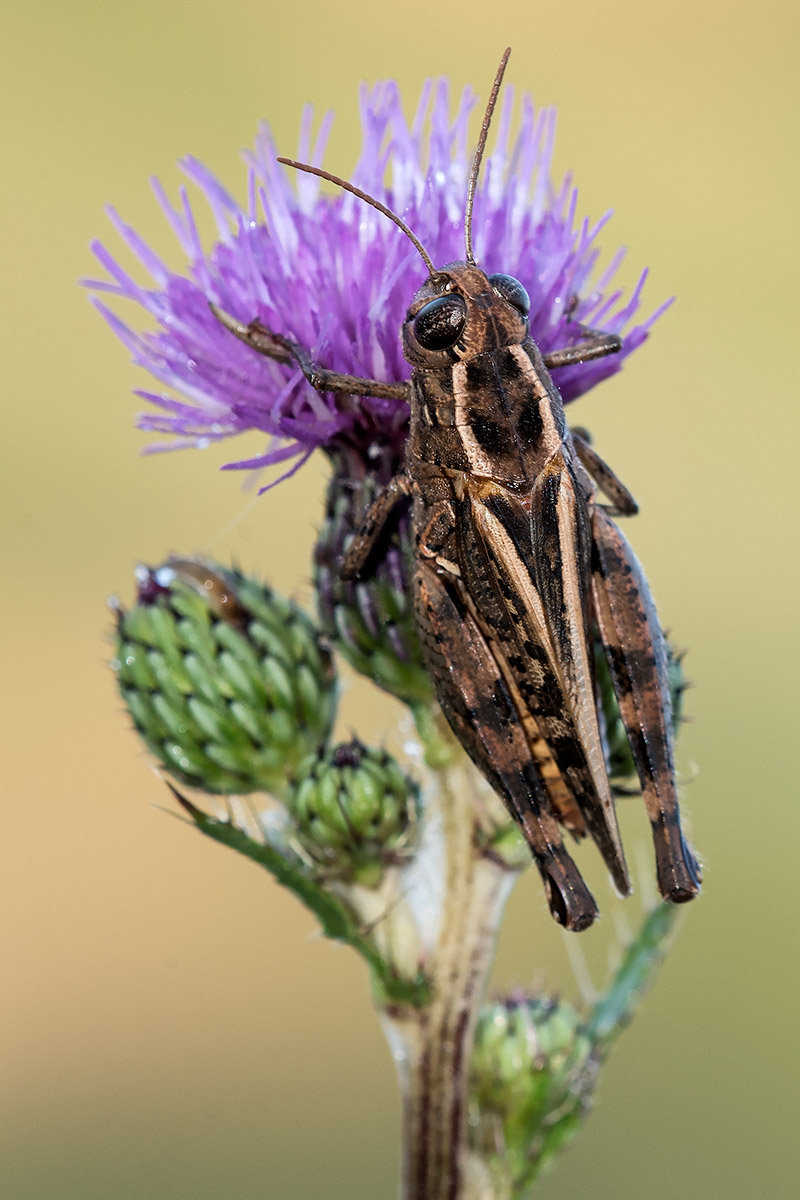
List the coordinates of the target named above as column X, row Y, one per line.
column 517, row 566
column 505, row 587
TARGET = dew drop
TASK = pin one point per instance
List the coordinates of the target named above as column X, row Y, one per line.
column 164, row 576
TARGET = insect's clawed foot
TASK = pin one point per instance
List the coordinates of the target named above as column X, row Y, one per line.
column 255, row 335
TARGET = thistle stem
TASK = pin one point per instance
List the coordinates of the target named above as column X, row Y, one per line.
column 433, row 1044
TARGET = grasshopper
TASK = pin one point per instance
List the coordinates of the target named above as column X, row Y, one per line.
column 518, row 566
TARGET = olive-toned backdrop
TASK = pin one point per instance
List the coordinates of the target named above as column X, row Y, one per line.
column 173, row 1026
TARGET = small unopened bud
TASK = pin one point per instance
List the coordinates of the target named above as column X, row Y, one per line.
column 227, row 682
column 532, row 1077
column 355, row 812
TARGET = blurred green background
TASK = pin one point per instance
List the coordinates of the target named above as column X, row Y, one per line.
column 173, row 1027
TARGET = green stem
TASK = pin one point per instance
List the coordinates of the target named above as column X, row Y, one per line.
column 634, row 976
column 433, row 1043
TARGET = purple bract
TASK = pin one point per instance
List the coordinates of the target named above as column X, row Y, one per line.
column 335, row 275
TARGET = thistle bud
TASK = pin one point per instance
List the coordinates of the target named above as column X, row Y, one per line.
column 533, row 1071
column 371, row 620
column 355, row 812
column 227, row 682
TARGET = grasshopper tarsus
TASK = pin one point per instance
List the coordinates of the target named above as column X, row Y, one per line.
column 595, row 343
column 254, row 334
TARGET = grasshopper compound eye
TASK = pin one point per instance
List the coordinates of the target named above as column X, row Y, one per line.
column 511, row 290
column 439, row 324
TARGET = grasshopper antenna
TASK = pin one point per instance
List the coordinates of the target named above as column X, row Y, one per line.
column 350, row 187
column 476, row 162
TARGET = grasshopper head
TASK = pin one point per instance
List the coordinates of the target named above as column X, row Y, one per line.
column 461, row 312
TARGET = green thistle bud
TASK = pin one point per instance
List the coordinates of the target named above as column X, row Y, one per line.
column 371, row 620
column 227, row 682
column 533, row 1071
column 355, row 812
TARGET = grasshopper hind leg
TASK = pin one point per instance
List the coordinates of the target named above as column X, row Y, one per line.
column 481, row 711
column 637, row 657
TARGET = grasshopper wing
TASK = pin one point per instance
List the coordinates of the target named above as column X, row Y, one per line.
column 536, row 552
column 484, row 713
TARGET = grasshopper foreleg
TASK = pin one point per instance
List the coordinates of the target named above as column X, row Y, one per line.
column 623, row 502
column 594, row 344
column 637, row 658
column 359, row 550
column 283, row 349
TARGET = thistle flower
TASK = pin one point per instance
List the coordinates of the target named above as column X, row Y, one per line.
column 336, row 276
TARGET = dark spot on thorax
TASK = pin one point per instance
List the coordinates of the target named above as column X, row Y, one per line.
column 490, row 435
column 529, row 423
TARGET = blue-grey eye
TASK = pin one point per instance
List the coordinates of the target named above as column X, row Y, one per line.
column 439, row 324
column 511, row 290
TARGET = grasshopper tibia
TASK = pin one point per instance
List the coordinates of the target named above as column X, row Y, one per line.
column 637, row 657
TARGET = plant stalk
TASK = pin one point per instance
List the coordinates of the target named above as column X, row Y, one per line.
column 432, row 1045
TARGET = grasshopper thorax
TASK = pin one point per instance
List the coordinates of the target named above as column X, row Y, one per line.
column 461, row 312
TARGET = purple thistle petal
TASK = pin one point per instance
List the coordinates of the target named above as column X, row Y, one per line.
column 268, row 458
column 223, row 207
column 336, row 276
column 147, row 257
